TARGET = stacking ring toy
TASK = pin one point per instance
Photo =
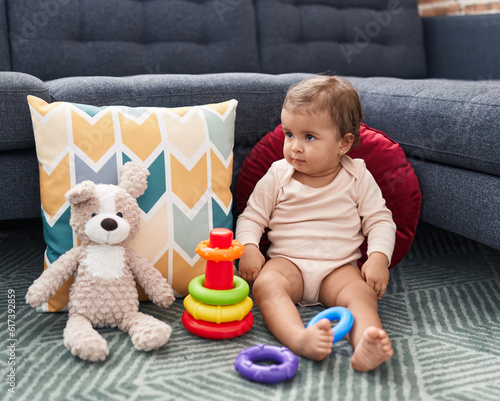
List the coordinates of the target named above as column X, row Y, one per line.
column 216, row 331
column 215, row 254
column 218, row 297
column 342, row 327
column 272, row 374
column 218, row 313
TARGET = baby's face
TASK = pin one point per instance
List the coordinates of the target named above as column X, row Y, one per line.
column 312, row 144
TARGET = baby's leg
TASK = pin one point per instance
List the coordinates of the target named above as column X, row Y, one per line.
column 373, row 349
column 277, row 289
column 345, row 287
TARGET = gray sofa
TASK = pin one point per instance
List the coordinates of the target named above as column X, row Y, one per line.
column 429, row 84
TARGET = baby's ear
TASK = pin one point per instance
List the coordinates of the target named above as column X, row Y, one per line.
column 349, row 138
column 346, row 143
column 81, row 192
column 134, row 179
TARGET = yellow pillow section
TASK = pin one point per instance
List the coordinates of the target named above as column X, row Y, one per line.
column 188, row 151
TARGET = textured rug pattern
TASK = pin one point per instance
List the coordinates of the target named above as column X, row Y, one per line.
column 441, row 310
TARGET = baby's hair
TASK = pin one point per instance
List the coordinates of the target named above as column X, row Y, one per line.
column 331, row 96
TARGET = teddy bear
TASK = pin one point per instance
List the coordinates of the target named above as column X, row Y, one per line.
column 104, row 292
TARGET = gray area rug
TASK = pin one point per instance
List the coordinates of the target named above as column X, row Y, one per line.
column 441, row 310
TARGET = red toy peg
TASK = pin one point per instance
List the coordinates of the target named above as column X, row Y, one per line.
column 221, row 238
column 219, row 275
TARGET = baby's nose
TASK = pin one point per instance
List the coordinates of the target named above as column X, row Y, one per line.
column 296, row 147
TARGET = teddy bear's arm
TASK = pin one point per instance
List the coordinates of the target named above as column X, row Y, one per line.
column 150, row 279
column 53, row 277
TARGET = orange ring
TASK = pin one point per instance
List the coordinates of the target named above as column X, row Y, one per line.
column 218, row 255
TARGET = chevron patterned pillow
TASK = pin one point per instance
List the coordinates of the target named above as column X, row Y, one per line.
column 188, row 151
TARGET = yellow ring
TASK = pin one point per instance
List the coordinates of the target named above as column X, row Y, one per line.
column 218, row 313
column 220, row 254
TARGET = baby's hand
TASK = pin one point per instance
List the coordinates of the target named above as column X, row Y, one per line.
column 251, row 263
column 375, row 271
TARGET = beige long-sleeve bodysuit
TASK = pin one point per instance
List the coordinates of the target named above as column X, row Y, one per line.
column 318, row 229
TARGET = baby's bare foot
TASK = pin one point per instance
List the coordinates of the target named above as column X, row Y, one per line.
column 316, row 341
column 373, row 350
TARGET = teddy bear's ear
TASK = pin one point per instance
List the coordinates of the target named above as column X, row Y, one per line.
column 134, row 178
column 81, row 192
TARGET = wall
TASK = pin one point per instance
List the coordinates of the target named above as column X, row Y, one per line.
column 432, row 8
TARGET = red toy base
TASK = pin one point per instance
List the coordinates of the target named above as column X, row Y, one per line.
column 216, row 331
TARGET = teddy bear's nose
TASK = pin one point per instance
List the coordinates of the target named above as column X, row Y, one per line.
column 109, row 224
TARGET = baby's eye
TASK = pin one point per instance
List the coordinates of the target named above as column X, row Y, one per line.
column 289, row 135
column 310, row 137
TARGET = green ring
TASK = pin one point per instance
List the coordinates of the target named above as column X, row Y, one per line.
column 218, row 297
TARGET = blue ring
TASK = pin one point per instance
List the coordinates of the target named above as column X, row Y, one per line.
column 246, row 366
column 337, row 313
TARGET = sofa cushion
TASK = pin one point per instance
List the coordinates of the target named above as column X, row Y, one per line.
column 188, row 151
column 462, row 201
column 384, row 159
column 16, row 132
column 54, row 39
column 20, row 184
column 360, row 38
column 444, row 121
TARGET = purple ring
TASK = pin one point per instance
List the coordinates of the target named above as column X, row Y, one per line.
column 246, row 365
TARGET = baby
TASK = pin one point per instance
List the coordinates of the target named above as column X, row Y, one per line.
column 319, row 204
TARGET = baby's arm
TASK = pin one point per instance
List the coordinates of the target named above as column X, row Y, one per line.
column 251, row 263
column 375, row 271
column 380, row 230
column 252, row 223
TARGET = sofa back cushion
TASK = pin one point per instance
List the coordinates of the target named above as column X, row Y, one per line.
column 356, row 37
column 60, row 38
column 461, row 47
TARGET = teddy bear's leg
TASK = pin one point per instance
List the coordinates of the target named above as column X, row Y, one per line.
column 147, row 333
column 83, row 340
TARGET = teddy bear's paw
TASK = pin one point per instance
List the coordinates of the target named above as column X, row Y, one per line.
column 150, row 335
column 167, row 300
column 35, row 297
